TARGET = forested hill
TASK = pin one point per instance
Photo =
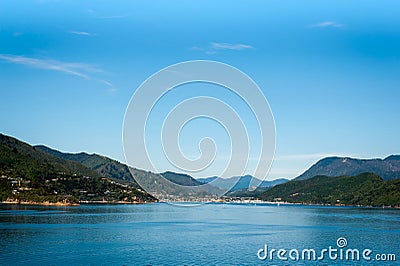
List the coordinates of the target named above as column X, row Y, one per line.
column 28, row 174
column 388, row 168
column 102, row 165
column 366, row 189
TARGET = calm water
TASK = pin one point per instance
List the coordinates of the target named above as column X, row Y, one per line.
column 215, row 234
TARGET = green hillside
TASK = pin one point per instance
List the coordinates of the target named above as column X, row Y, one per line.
column 101, row 164
column 366, row 189
column 28, row 174
column 181, row 179
column 20, row 159
column 151, row 181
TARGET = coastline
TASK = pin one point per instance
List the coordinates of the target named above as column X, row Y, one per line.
column 244, row 202
column 60, row 203
column 44, row 203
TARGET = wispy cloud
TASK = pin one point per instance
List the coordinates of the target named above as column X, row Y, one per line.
column 112, row 17
column 107, row 82
column 83, row 33
column 326, row 24
column 111, row 87
column 215, row 47
column 230, row 46
column 77, row 69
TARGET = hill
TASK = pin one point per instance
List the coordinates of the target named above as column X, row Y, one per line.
column 388, row 168
column 153, row 182
column 102, row 165
column 29, row 174
column 365, row 189
column 181, row 179
column 162, row 186
column 21, row 159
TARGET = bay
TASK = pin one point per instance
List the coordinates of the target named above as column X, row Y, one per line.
column 211, row 234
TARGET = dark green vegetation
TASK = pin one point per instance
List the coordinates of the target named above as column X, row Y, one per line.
column 20, row 159
column 40, row 174
column 181, row 179
column 388, row 168
column 123, row 174
column 102, row 165
column 28, row 174
column 366, row 189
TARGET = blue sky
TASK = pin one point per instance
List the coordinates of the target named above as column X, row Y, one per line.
column 329, row 69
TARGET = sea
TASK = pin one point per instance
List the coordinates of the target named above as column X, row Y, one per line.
column 200, row 234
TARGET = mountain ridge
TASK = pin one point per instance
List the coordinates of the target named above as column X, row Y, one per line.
column 30, row 175
column 388, row 168
column 154, row 182
column 245, row 182
column 39, row 164
column 366, row 189
column 101, row 164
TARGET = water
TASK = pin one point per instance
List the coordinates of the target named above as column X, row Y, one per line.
column 215, row 234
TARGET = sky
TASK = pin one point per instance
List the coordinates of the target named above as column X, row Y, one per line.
column 330, row 71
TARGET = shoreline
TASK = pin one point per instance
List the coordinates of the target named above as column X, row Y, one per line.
column 46, row 203
column 278, row 203
column 250, row 202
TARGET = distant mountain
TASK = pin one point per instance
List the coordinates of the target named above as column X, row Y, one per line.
column 388, row 168
column 365, row 189
column 153, row 182
column 278, row 181
column 28, row 174
column 206, row 180
column 181, row 179
column 231, row 184
column 244, row 182
column 162, row 186
column 393, row 158
column 241, row 182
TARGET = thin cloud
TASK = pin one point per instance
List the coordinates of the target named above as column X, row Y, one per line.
column 113, row 17
column 77, row 69
column 107, row 83
column 82, row 33
column 111, row 87
column 216, row 47
column 230, row 46
column 327, row 24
